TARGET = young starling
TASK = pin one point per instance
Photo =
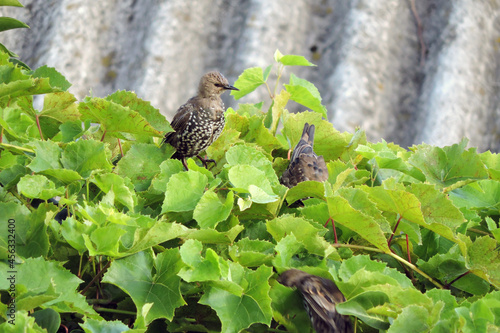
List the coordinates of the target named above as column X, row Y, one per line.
column 320, row 297
column 305, row 164
column 199, row 122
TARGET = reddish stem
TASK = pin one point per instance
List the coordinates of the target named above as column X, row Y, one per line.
column 393, row 232
column 120, row 146
column 103, row 135
column 39, row 127
column 333, row 226
column 456, row 279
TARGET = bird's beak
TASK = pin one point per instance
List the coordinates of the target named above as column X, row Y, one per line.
column 231, row 88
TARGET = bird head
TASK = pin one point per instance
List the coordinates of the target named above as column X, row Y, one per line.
column 213, row 84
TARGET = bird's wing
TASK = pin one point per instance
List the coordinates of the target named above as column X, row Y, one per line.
column 312, row 167
column 321, row 296
column 180, row 122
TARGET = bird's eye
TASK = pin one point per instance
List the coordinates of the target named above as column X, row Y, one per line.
column 219, row 85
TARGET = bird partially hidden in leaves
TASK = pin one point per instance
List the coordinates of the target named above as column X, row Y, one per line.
column 320, row 299
column 200, row 121
column 304, row 163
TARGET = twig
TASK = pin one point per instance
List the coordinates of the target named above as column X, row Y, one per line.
column 95, row 278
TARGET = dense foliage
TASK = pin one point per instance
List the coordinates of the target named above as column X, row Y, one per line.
column 149, row 246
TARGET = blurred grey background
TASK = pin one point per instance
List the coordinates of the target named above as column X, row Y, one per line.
column 376, row 68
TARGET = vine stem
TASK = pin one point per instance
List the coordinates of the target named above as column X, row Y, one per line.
column 395, row 256
column 102, row 309
column 26, row 150
column 39, row 127
column 269, row 91
column 98, row 275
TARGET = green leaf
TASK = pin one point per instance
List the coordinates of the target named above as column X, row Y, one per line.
column 23, row 323
column 15, row 122
column 56, row 79
column 47, row 319
column 47, row 154
column 13, row 3
column 141, row 163
column 248, row 81
column 484, row 259
column 212, row 236
column 149, row 280
column 492, row 162
column 210, row 210
column 278, row 108
column 389, row 161
column 267, row 71
column 403, row 203
column 184, row 190
column 31, row 239
column 198, row 268
column 85, row 156
column 120, row 187
column 448, row 165
column 95, row 326
column 483, row 195
column 277, row 55
column 246, row 155
column 294, row 60
column 239, row 312
column 413, row 318
column 360, row 305
column 7, row 23
column 38, row 186
column 252, row 130
column 288, row 309
column 38, row 277
column 252, row 253
column 305, row 93
column 327, row 141
column 115, row 118
column 252, row 180
column 365, row 225
column 307, row 233
column 63, row 175
column 167, row 169
column 144, row 108
column 60, row 107
column 304, row 190
column 150, row 235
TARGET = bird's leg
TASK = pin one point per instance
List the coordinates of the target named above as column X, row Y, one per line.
column 205, row 161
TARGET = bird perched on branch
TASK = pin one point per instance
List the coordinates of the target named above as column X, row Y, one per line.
column 304, row 163
column 199, row 122
column 320, row 298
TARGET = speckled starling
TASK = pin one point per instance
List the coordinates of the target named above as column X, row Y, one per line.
column 304, row 163
column 320, row 298
column 199, row 122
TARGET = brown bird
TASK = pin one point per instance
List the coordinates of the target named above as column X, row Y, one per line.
column 305, row 164
column 320, row 298
column 199, row 122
